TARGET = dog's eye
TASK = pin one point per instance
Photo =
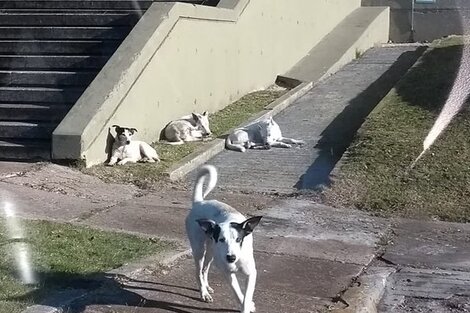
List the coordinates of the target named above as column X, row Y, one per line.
column 238, row 240
column 222, row 240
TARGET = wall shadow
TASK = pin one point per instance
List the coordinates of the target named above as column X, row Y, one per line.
column 339, row 134
column 429, row 83
column 106, row 289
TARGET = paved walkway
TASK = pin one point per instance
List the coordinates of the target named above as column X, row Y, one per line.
column 327, row 118
column 307, row 254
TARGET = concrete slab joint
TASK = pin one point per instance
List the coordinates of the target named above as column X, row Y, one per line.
column 143, row 84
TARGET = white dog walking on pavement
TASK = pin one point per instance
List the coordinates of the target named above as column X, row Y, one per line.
column 218, row 232
column 127, row 150
column 263, row 134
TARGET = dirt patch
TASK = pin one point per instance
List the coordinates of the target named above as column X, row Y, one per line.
column 68, row 181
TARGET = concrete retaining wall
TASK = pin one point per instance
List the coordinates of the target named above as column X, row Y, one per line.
column 181, row 58
column 431, row 20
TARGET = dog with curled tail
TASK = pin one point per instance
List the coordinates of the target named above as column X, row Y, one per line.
column 218, row 233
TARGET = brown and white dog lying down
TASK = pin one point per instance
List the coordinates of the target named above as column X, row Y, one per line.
column 127, row 150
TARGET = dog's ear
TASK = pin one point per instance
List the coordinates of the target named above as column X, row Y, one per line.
column 247, row 226
column 206, row 225
column 271, row 120
column 133, row 130
column 195, row 117
column 117, row 128
column 204, row 113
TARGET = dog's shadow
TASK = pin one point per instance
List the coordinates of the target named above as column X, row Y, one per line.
column 109, row 290
column 109, row 144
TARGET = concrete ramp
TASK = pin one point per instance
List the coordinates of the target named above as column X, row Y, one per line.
column 327, row 118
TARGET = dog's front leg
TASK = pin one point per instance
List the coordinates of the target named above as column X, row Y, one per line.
column 199, row 259
column 279, row 144
column 248, row 304
column 232, row 279
column 292, row 141
column 205, row 270
column 126, row 160
column 113, row 160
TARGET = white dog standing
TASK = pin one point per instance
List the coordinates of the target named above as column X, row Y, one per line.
column 218, row 232
column 262, row 134
column 127, row 150
column 194, row 127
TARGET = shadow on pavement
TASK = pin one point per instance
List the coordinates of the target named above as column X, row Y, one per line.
column 110, row 290
column 337, row 136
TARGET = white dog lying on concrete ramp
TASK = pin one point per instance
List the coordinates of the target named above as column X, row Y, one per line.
column 263, row 134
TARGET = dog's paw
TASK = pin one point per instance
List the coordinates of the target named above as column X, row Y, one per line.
column 242, row 149
column 210, row 290
column 288, row 146
column 250, row 308
column 206, row 297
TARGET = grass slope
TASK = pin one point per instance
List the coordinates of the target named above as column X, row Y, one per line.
column 375, row 175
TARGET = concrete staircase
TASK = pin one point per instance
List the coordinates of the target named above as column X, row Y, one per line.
column 50, row 51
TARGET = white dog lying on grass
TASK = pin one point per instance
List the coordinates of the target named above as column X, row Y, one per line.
column 263, row 134
column 194, row 127
column 127, row 150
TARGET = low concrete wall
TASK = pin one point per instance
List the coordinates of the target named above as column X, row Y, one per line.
column 431, row 20
column 181, row 58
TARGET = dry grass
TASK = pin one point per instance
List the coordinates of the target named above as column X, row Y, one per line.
column 376, row 177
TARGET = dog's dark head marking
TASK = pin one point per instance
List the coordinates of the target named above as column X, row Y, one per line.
column 245, row 228
column 211, row 229
column 124, row 134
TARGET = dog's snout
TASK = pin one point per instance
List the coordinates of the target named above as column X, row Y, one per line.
column 231, row 258
column 128, row 142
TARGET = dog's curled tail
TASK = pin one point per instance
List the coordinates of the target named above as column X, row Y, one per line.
column 206, row 170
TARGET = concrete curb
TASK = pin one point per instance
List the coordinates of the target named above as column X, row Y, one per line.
column 202, row 155
column 367, row 292
column 64, row 300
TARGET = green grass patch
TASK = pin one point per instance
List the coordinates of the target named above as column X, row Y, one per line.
column 375, row 175
column 65, row 256
column 145, row 175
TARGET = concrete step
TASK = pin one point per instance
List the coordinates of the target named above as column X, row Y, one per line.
column 50, row 62
column 27, row 130
column 58, row 33
column 68, row 19
column 59, row 47
column 84, row 10
column 46, row 78
column 87, row 4
column 33, row 112
column 25, row 149
column 39, row 94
